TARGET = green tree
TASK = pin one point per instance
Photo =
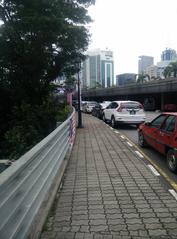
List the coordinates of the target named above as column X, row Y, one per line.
column 141, row 78
column 98, row 84
column 170, row 70
column 39, row 40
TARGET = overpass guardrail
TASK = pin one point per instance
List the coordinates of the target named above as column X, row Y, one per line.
column 28, row 186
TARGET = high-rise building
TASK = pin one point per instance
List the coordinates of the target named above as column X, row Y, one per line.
column 152, row 71
column 144, row 62
column 98, row 69
column 168, row 55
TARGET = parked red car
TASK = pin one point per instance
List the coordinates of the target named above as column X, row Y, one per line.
column 161, row 134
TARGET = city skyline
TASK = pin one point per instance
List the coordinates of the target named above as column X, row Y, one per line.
column 133, row 28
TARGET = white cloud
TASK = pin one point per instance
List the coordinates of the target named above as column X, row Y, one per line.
column 131, row 28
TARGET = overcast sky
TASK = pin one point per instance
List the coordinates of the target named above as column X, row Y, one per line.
column 131, row 28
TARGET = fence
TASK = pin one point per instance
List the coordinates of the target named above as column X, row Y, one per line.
column 28, row 186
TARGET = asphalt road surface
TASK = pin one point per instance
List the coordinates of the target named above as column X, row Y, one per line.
column 158, row 160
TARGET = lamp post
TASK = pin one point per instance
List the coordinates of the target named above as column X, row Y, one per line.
column 79, row 99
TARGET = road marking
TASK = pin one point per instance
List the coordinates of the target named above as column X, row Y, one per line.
column 169, row 180
column 139, row 154
column 173, row 193
column 155, row 172
column 117, row 132
column 122, row 137
column 129, row 144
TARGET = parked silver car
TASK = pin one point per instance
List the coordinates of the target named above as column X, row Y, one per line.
column 88, row 106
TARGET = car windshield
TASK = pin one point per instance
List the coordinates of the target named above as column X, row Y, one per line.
column 131, row 105
column 91, row 103
column 104, row 104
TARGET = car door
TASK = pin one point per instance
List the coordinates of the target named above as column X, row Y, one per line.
column 166, row 134
column 108, row 110
column 151, row 131
column 113, row 110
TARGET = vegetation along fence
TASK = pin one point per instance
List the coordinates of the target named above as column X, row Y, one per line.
column 29, row 185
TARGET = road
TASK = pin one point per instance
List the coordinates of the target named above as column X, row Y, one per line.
column 158, row 160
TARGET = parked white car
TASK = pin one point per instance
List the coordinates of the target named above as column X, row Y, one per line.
column 124, row 112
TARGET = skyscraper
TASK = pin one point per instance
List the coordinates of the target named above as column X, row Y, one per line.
column 98, row 69
column 144, row 62
column 168, row 55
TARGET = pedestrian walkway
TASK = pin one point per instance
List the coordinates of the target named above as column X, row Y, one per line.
column 108, row 192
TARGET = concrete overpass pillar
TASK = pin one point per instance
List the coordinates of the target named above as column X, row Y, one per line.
column 162, row 101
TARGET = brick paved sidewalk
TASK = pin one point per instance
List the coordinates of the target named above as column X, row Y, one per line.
column 108, row 192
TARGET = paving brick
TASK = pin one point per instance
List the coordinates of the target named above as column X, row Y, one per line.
column 98, row 236
column 97, row 222
column 88, row 236
column 154, row 226
column 98, row 228
column 79, row 235
column 114, row 216
column 133, row 221
column 84, row 229
column 97, row 216
column 64, row 235
column 133, row 233
column 171, row 225
column 148, row 215
column 128, row 210
column 96, row 211
column 117, row 228
column 135, row 227
column 79, row 217
column 131, row 215
column 157, row 232
column 79, row 223
column 142, row 233
column 75, row 228
column 172, row 232
column 116, row 221
column 108, row 193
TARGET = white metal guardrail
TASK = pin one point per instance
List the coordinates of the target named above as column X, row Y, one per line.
column 26, row 184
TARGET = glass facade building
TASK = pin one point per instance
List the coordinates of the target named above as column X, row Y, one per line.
column 168, row 55
column 98, row 69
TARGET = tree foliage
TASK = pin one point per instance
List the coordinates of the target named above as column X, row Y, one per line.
column 39, row 40
column 141, row 78
column 170, row 70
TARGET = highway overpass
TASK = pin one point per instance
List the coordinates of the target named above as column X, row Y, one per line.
column 161, row 91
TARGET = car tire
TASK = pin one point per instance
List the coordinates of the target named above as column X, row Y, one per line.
column 171, row 161
column 141, row 140
column 113, row 122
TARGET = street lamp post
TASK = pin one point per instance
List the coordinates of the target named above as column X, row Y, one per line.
column 79, row 100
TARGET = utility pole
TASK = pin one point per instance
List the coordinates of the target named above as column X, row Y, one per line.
column 79, row 99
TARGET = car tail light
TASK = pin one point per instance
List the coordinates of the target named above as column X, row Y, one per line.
column 141, row 107
column 119, row 109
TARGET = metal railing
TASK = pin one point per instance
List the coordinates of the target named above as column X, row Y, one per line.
column 27, row 182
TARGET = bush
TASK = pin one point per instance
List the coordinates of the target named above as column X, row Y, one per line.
column 31, row 124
